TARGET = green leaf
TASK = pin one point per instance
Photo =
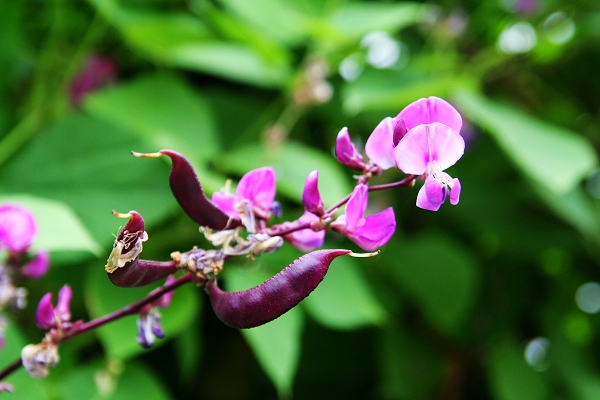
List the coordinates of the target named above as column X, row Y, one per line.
column 58, row 226
column 344, row 299
column 164, row 111
column 439, row 276
column 26, row 387
column 355, row 19
column 553, row 157
column 277, row 344
column 86, row 164
column 292, row 163
column 118, row 337
column 511, row 378
column 96, row 381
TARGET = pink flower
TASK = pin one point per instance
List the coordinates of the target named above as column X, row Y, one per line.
column 17, row 228
column 49, row 317
column 96, row 72
column 431, row 145
column 37, row 266
column 346, row 152
column 254, row 196
column 370, row 232
column 306, row 239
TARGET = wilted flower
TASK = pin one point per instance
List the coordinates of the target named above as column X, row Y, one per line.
column 148, row 321
column 37, row 358
column 370, row 232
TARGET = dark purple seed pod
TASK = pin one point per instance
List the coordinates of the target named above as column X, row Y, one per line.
column 124, row 268
column 189, row 194
column 276, row 296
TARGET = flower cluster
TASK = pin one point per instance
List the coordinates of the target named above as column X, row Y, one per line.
column 17, row 233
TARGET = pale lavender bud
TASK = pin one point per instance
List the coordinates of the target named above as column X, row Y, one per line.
column 37, row 267
column 346, row 152
column 149, row 328
column 311, row 198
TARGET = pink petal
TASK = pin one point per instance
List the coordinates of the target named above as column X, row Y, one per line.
column 165, row 300
column 431, row 195
column 306, row 239
column 44, row 315
column 455, row 192
column 311, row 198
column 356, row 206
column 380, row 144
column 427, row 111
column 426, row 143
column 376, row 230
column 346, row 152
column 37, row 267
column 258, row 186
column 63, row 305
column 17, row 228
column 225, row 203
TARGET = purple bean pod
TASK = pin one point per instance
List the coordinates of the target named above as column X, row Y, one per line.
column 189, row 194
column 276, row 296
column 124, row 268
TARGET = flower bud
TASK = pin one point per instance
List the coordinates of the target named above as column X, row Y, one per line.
column 346, row 152
column 311, row 198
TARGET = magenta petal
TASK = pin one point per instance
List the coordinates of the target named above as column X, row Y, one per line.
column 376, row 230
column 63, row 305
column 412, row 153
column 431, row 195
column 258, row 186
column 306, row 239
column 430, row 110
column 37, row 267
column 356, row 206
column 455, row 191
column 346, row 152
column 17, row 228
column 311, row 198
column 165, row 300
column 225, row 203
column 445, row 144
column 380, row 144
column 44, row 315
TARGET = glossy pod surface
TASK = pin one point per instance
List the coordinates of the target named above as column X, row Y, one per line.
column 189, row 194
column 279, row 294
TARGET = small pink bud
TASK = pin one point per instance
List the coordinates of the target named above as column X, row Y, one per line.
column 63, row 306
column 346, row 152
column 311, row 198
column 37, row 267
column 44, row 315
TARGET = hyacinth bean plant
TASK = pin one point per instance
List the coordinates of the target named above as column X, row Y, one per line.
column 422, row 141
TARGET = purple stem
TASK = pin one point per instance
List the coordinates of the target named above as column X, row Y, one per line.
column 95, row 323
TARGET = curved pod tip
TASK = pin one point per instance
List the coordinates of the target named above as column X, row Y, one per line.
column 274, row 297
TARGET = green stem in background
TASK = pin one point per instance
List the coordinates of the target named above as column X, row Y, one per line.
column 19, row 135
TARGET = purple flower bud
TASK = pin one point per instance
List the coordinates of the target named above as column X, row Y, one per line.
column 37, row 267
column 44, row 316
column 346, row 152
column 17, row 228
column 311, row 198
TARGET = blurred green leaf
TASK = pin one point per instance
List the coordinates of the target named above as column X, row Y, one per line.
column 439, row 275
column 86, row 163
column 344, row 299
column 26, row 387
column 58, row 227
column 292, row 163
column 276, row 344
column 553, row 157
column 164, row 111
column 277, row 19
column 118, row 337
column 94, row 381
column 511, row 378
column 356, row 19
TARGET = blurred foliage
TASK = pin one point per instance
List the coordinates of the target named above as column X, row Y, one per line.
column 451, row 307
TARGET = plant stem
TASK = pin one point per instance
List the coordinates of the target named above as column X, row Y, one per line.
column 95, row 323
